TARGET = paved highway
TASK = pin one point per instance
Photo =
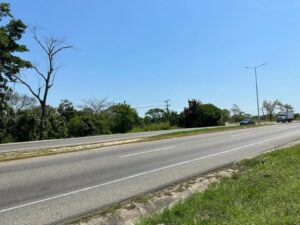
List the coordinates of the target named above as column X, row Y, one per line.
column 33, row 145
column 49, row 190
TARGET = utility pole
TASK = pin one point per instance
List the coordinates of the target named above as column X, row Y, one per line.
column 167, row 106
column 257, row 99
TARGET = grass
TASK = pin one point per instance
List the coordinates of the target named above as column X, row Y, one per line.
column 153, row 127
column 195, row 132
column 266, row 191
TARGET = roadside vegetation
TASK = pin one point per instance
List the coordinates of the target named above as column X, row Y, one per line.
column 28, row 118
column 196, row 131
column 266, row 190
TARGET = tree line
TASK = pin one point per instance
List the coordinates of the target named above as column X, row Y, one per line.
column 21, row 118
column 269, row 111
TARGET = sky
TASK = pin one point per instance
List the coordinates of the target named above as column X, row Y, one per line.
column 145, row 52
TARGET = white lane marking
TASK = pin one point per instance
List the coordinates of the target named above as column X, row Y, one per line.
column 137, row 175
column 146, row 152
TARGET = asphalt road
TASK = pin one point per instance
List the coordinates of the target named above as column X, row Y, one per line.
column 33, row 145
column 49, row 190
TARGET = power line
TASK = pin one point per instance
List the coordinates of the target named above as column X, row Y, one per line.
column 147, row 107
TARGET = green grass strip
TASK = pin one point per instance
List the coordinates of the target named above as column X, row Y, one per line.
column 196, row 132
column 266, row 191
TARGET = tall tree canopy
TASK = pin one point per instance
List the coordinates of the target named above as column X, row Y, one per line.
column 11, row 31
column 198, row 114
column 270, row 107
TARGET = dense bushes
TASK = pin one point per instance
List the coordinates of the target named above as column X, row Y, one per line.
column 81, row 126
column 123, row 118
column 152, row 127
column 22, row 123
column 200, row 115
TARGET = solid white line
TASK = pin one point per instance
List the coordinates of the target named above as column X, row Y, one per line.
column 146, row 152
column 137, row 175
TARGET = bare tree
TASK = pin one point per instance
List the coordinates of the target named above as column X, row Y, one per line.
column 288, row 107
column 270, row 107
column 18, row 101
column 285, row 107
column 236, row 110
column 237, row 113
column 51, row 48
column 95, row 105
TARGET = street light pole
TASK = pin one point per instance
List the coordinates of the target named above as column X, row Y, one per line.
column 256, row 83
column 257, row 99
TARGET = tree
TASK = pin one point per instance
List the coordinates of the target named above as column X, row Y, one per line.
column 81, row 126
column 25, row 127
column 56, row 126
column 237, row 113
column 95, row 105
column 288, row 107
column 225, row 116
column 123, row 118
column 190, row 115
column 211, row 115
column 285, row 107
column 154, row 115
column 198, row 114
column 66, row 110
column 52, row 48
column 173, row 118
column 270, row 107
column 11, row 31
column 19, row 101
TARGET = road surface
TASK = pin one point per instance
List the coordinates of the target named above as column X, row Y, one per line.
column 56, row 143
column 53, row 189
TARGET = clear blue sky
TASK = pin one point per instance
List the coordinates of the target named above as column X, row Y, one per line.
column 144, row 52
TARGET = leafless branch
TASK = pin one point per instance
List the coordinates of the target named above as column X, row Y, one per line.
column 95, row 105
column 18, row 79
column 38, row 71
column 51, row 47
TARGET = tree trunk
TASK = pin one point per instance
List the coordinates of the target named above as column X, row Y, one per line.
column 42, row 121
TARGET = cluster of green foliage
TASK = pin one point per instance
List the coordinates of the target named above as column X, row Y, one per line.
column 198, row 114
column 265, row 191
column 11, row 31
column 22, row 118
column 66, row 121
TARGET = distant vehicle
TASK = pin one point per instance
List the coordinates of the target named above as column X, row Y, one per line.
column 285, row 116
column 247, row 121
